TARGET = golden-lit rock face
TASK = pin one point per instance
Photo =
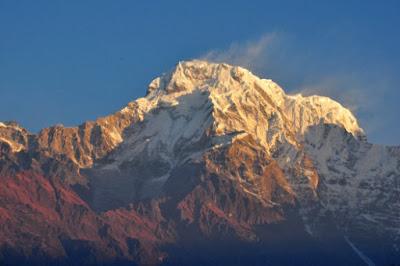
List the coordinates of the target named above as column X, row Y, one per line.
column 88, row 142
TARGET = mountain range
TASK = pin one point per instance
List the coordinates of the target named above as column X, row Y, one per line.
column 213, row 166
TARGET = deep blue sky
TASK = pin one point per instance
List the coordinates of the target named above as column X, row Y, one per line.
column 70, row 61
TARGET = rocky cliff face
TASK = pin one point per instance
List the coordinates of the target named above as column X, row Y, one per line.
column 214, row 166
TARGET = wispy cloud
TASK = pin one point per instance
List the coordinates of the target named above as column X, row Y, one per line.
column 340, row 88
column 364, row 96
column 251, row 54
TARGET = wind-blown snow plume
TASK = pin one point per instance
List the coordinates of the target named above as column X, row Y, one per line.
column 251, row 54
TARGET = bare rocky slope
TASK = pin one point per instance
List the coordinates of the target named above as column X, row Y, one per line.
column 213, row 166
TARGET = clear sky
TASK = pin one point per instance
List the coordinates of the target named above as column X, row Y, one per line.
column 70, row 61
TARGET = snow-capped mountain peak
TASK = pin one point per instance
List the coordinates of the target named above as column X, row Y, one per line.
column 200, row 106
column 198, row 94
